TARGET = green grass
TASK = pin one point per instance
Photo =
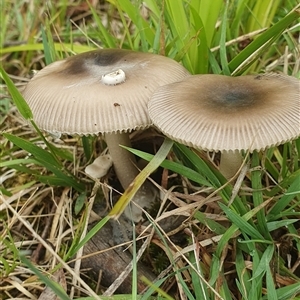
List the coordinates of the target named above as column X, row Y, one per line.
column 239, row 241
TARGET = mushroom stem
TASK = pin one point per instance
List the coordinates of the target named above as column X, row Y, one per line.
column 230, row 163
column 123, row 160
column 124, row 164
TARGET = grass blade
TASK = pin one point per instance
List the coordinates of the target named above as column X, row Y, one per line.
column 264, row 262
column 55, row 287
column 237, row 65
column 173, row 166
column 270, row 284
column 16, row 96
column 258, row 197
column 140, row 179
column 242, row 224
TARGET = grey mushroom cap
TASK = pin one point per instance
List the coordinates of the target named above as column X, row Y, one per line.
column 223, row 113
column 70, row 96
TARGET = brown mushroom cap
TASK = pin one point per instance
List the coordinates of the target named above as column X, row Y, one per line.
column 222, row 113
column 69, row 96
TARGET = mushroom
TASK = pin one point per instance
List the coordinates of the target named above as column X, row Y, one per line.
column 99, row 167
column 229, row 114
column 103, row 91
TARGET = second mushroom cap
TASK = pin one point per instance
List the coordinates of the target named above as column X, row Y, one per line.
column 222, row 113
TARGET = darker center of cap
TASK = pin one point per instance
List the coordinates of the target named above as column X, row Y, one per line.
column 80, row 63
column 108, row 57
column 232, row 97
